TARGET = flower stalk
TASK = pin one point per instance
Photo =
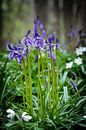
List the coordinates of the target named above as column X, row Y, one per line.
column 47, row 86
column 39, row 87
column 23, row 90
column 27, row 85
column 30, row 84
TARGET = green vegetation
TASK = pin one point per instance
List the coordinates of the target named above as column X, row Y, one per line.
column 40, row 100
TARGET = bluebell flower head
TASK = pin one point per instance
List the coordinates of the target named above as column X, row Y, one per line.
column 36, row 57
column 17, row 52
column 27, row 33
column 54, row 56
column 72, row 31
column 43, row 33
column 74, row 85
column 38, row 25
column 51, row 38
column 38, row 40
column 57, row 40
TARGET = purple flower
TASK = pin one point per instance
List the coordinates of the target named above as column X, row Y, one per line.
column 38, row 25
column 48, row 54
column 28, row 41
column 43, row 33
column 51, row 38
column 41, row 26
column 19, row 59
column 38, row 40
column 36, row 57
column 54, row 56
column 17, row 52
column 19, row 46
column 27, row 33
column 57, row 40
column 58, row 46
column 74, row 85
column 72, row 34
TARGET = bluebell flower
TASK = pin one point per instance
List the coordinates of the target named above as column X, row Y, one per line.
column 17, row 52
column 72, row 32
column 54, row 56
column 41, row 26
column 38, row 25
column 48, row 54
column 51, row 38
column 36, row 57
column 28, row 41
column 19, row 46
column 74, row 85
column 36, row 40
column 19, row 59
column 58, row 46
column 27, row 33
column 43, row 33
column 57, row 40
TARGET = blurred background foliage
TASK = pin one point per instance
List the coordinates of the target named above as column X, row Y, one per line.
column 17, row 16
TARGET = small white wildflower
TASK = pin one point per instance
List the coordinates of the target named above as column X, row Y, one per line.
column 69, row 65
column 26, row 117
column 78, row 61
column 11, row 113
column 84, row 116
column 84, row 49
column 79, row 51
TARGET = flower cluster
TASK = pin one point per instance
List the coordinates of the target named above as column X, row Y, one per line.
column 17, row 52
column 80, row 50
column 12, row 114
column 78, row 60
column 38, row 39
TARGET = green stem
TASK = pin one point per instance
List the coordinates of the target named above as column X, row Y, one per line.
column 77, row 93
column 43, row 77
column 44, row 88
column 53, row 81
column 23, row 89
column 48, row 89
column 57, row 91
column 30, row 84
column 39, row 86
column 27, row 85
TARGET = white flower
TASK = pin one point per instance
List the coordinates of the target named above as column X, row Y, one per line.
column 11, row 113
column 78, row 61
column 26, row 117
column 84, row 116
column 79, row 51
column 84, row 49
column 69, row 65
